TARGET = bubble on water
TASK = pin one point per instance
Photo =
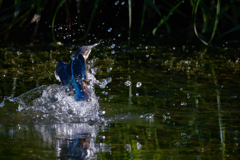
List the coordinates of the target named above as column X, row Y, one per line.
column 139, row 84
column 113, row 52
column 127, row 83
column 110, row 29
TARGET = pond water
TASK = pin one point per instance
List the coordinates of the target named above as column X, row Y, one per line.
column 149, row 102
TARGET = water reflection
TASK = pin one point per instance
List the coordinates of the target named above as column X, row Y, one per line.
column 74, row 141
column 68, row 141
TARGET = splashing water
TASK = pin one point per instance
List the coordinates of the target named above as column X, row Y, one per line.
column 139, row 84
column 57, row 104
column 127, row 83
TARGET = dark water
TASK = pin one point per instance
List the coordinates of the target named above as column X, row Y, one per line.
column 160, row 103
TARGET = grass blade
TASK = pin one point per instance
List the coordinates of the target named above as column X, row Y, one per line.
column 143, row 15
column 130, row 19
column 53, row 21
column 230, row 31
column 92, row 16
column 154, row 7
column 194, row 25
column 166, row 18
column 216, row 20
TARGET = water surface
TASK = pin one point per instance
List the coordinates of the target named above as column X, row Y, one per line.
column 151, row 102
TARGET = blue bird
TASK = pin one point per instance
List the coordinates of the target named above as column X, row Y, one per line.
column 74, row 74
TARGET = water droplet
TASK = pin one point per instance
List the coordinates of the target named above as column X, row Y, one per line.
column 137, row 94
column 109, row 69
column 64, row 37
column 113, row 52
column 113, row 45
column 109, row 79
column 147, row 55
column 183, row 103
column 128, row 147
column 123, row 3
column 102, row 112
column 110, row 29
column 119, row 35
column 139, row 84
column 127, row 83
column 139, row 146
column 116, row 3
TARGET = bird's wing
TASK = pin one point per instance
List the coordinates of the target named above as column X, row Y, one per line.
column 79, row 69
column 64, row 72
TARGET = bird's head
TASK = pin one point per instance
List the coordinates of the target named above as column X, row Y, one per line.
column 85, row 51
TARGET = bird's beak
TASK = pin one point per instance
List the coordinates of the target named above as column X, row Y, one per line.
column 88, row 50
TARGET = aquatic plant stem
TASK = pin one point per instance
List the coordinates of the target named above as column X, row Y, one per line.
column 53, row 21
column 129, row 20
column 143, row 15
column 216, row 20
column 163, row 20
column 92, row 16
column 38, row 17
column 194, row 24
column 220, row 121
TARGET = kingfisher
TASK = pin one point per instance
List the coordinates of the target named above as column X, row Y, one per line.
column 74, row 75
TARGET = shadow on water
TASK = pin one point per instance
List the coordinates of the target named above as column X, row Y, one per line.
column 148, row 102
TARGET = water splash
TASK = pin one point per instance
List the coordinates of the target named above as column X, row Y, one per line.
column 57, row 104
column 110, row 29
column 113, row 52
column 113, row 45
column 127, row 83
column 139, row 84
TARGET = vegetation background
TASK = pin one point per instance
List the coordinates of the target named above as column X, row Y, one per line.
column 160, row 22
